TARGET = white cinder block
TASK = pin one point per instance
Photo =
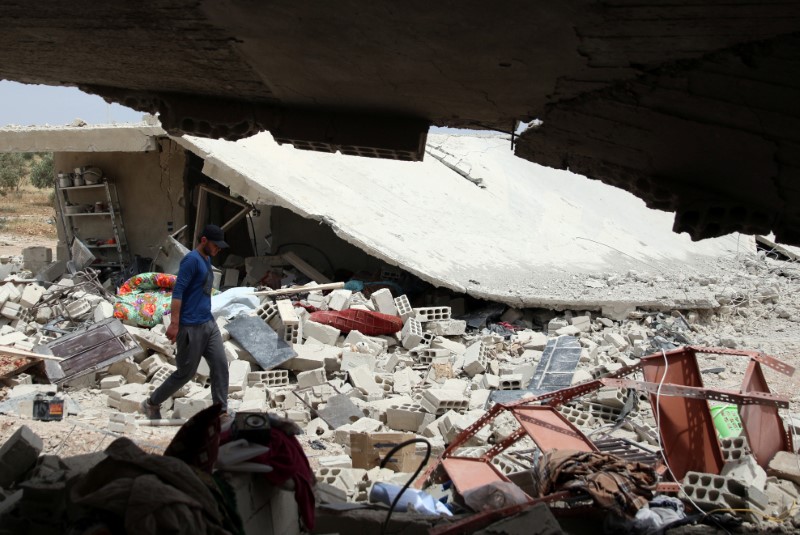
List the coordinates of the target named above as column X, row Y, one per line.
column 384, row 302
column 237, row 375
column 324, row 333
column 311, row 378
column 339, row 299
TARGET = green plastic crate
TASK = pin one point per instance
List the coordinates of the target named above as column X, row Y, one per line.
column 726, row 420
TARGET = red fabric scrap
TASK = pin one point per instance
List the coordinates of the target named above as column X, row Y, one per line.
column 287, row 459
column 364, row 321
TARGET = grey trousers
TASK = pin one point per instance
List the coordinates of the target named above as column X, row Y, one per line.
column 195, row 341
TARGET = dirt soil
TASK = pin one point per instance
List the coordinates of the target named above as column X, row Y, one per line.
column 27, row 218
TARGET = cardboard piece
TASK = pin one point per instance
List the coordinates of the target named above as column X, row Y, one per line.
column 368, row 449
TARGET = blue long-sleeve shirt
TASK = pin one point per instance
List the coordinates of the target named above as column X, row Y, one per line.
column 193, row 288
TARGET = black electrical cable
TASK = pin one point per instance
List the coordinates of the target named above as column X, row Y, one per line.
column 412, row 478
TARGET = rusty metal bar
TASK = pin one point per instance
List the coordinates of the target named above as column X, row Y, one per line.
column 688, row 437
column 762, row 425
column 550, row 430
column 724, row 396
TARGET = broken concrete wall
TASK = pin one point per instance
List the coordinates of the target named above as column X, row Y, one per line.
column 150, row 188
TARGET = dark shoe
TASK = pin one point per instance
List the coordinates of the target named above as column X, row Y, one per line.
column 151, row 411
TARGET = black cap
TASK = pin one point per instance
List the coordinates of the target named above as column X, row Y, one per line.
column 214, row 234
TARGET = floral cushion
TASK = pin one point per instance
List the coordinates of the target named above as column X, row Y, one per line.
column 145, row 298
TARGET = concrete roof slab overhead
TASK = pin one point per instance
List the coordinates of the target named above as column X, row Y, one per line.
column 527, row 235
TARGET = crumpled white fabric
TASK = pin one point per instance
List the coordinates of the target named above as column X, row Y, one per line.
column 233, row 302
column 411, row 500
column 662, row 510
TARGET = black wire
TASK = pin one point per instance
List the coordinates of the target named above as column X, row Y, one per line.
column 412, row 478
column 253, row 229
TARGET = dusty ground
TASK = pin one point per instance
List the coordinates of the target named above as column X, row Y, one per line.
column 27, row 218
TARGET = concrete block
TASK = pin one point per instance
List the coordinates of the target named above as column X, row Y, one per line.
column 406, row 417
column 578, row 417
column 426, row 314
column 286, row 312
column 447, row 327
column 10, row 310
column 119, row 422
column 311, row 378
column 256, row 392
column 426, row 355
column 478, row 398
column 131, row 402
column 31, row 295
column 237, row 375
column 361, row 377
column 734, row 448
column 411, row 335
column 43, row 314
column 103, row 310
column 710, row 491
column 311, row 356
column 582, row 323
column 569, row 330
column 270, row 379
column 351, row 359
column 439, row 401
column 405, row 380
column 475, row 359
column 404, row 309
column 537, row 341
column 490, row 381
column 112, row 381
column 616, row 340
column 555, row 324
column 324, row 333
column 510, row 382
column 339, row 299
column 35, row 256
column 18, row 455
column 266, row 311
column 785, row 465
column 12, row 338
column 384, row 302
column 611, row 397
column 188, row 407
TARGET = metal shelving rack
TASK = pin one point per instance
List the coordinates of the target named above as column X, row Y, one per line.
column 72, row 225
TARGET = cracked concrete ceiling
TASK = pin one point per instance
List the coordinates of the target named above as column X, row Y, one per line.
column 691, row 105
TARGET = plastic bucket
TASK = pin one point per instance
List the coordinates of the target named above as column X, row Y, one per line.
column 726, row 420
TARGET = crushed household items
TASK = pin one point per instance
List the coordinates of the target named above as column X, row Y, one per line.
column 476, row 419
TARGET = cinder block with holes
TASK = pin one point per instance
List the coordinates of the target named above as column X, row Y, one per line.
column 439, row 401
column 427, row 355
column 475, row 359
column 412, row 335
column 425, row 314
column 710, row 491
column 267, row 311
column 293, row 334
column 405, row 417
column 577, row 416
column 511, row 382
column 271, row 378
column 611, row 397
column 404, row 309
column 734, row 448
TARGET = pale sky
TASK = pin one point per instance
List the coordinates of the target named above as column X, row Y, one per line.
column 26, row 105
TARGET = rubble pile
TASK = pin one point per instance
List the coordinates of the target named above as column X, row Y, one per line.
column 362, row 372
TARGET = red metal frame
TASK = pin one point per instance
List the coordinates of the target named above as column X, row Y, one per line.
column 686, row 428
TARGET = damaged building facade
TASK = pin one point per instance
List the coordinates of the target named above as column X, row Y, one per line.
column 557, row 359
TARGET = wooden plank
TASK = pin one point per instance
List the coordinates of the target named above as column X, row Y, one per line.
column 301, row 289
column 305, row 268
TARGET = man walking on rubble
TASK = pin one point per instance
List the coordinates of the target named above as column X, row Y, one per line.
column 193, row 328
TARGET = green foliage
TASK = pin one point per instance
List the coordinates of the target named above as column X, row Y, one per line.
column 12, row 171
column 42, row 173
column 28, row 156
